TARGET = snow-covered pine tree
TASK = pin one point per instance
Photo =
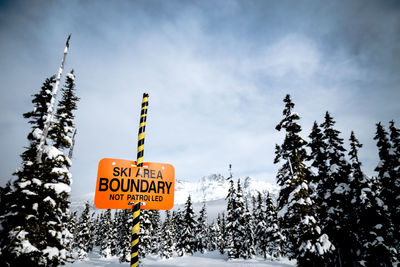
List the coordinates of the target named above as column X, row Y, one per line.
column 5, row 200
column 83, row 235
column 387, row 171
column 318, row 154
column 248, row 238
column 63, row 129
column 371, row 221
column 213, row 236
column 334, row 189
column 155, row 234
column 222, row 231
column 56, row 177
column 230, row 222
column 94, row 224
column 167, row 240
column 395, row 144
column 202, row 230
column 100, row 229
column 260, row 223
column 125, row 228
column 106, row 235
column 146, row 228
column 309, row 245
column 23, row 239
column 177, row 223
column 236, row 225
column 189, row 228
column 72, row 228
column 292, row 145
column 114, row 241
column 274, row 238
column 319, row 166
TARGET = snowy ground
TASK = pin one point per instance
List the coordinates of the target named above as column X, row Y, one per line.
column 197, row 260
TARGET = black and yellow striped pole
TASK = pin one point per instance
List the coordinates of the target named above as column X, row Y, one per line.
column 139, row 163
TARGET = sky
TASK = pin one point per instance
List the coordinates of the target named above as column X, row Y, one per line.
column 216, row 73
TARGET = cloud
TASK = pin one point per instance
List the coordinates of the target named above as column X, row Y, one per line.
column 216, row 73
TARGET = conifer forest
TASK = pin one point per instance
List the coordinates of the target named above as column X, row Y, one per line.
column 327, row 213
column 299, row 98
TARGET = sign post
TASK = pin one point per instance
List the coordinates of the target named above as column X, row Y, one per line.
column 147, row 185
column 136, row 206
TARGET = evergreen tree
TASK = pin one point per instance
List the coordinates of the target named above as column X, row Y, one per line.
column 56, row 177
column 72, row 229
column 114, row 244
column 125, row 227
column 178, row 223
column 21, row 242
column 83, row 234
column 99, row 230
column 260, row 223
column 274, row 238
column 106, row 235
column 292, row 145
column 214, row 234
column 167, row 241
column 319, row 165
column 248, row 250
column 61, row 131
column 395, row 152
column 36, row 234
column 221, row 233
column 388, row 182
column 189, row 228
column 202, row 231
column 94, row 222
column 371, row 223
column 146, row 229
column 155, row 234
column 318, row 154
column 335, row 192
column 308, row 244
column 230, row 221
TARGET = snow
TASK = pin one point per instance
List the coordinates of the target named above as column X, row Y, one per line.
column 27, row 247
column 59, row 170
column 35, row 206
column 215, row 187
column 333, row 169
column 59, row 187
column 51, row 251
column 52, row 152
column 342, row 188
column 36, row 181
column 324, row 244
column 49, row 199
column 71, row 76
column 209, row 259
column 28, row 192
column 69, row 139
column 37, row 133
column 282, row 212
column 24, row 184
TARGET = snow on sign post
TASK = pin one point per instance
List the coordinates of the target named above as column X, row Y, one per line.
column 120, row 183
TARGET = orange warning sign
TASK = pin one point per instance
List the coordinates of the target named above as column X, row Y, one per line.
column 120, row 183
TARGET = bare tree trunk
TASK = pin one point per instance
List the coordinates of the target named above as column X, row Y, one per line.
column 50, row 108
column 71, row 150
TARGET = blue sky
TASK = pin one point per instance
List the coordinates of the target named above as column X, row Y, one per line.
column 216, row 72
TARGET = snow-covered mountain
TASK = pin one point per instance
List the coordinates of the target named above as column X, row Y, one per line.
column 212, row 188
column 215, row 187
